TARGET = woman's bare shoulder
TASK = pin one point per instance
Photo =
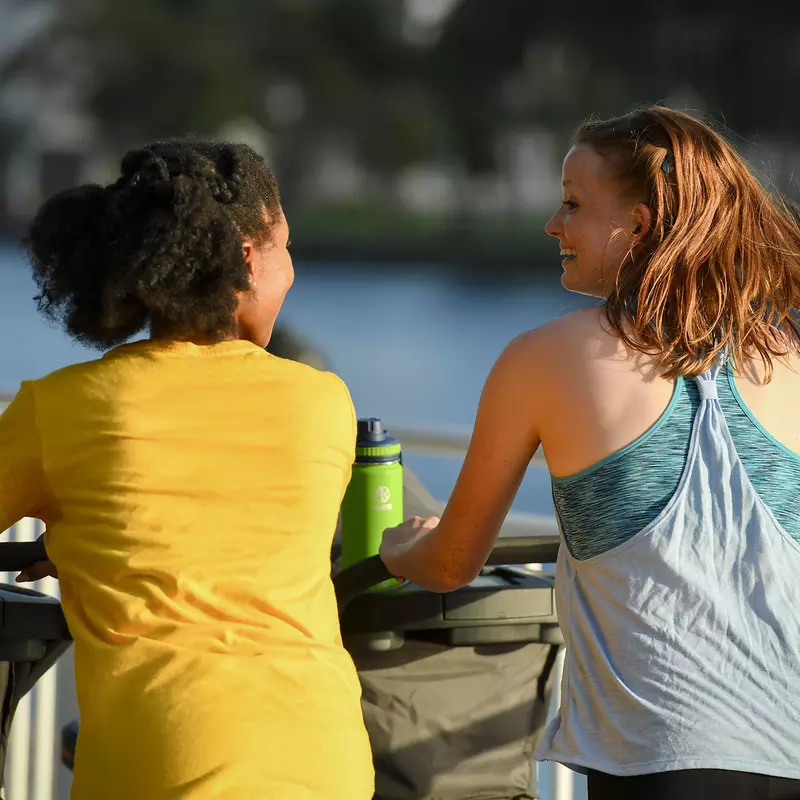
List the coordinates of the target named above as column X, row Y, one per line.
column 577, row 350
column 582, row 333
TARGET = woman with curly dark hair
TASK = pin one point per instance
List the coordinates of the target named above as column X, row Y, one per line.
column 190, row 484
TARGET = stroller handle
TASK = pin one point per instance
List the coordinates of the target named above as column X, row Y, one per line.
column 356, row 578
column 16, row 556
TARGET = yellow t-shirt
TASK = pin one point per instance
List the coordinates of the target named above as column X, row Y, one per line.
column 190, row 495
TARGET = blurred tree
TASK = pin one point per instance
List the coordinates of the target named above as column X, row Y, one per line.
column 318, row 71
column 475, row 54
column 162, row 67
column 359, row 82
column 156, row 68
column 598, row 58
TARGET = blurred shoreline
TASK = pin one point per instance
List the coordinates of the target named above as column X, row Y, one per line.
column 506, row 247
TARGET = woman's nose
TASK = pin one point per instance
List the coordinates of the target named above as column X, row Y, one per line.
column 553, row 226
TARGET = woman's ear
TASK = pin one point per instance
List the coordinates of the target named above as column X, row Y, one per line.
column 249, row 255
column 643, row 219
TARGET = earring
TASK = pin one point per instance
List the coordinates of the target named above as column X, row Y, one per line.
column 253, row 285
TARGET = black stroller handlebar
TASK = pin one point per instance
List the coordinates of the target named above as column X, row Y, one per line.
column 16, row 556
column 359, row 577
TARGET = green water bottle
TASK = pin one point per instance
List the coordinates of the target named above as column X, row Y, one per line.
column 374, row 497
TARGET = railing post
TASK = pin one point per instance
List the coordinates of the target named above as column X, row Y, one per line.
column 555, row 781
column 30, row 763
column 45, row 710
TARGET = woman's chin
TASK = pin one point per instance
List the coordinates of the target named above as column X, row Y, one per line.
column 572, row 283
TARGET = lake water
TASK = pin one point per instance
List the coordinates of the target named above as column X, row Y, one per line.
column 414, row 345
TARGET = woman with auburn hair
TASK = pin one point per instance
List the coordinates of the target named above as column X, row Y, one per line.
column 668, row 418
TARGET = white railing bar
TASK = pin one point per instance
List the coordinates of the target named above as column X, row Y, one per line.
column 438, row 443
column 559, row 781
column 44, row 735
column 30, row 765
column 45, row 705
column 18, row 763
column 18, row 766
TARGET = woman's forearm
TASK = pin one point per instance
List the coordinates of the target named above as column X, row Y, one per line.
column 437, row 563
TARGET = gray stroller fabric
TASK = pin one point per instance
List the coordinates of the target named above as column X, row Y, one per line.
column 454, row 723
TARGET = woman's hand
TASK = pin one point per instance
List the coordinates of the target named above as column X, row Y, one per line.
column 398, row 543
column 37, row 571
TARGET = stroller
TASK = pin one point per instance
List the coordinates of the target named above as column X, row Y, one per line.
column 455, row 691
column 455, row 686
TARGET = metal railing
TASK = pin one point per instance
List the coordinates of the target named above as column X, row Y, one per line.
column 31, row 758
column 451, row 444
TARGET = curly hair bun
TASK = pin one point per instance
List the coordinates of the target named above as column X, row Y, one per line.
column 160, row 246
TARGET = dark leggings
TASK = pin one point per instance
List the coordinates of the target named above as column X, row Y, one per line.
column 692, row 784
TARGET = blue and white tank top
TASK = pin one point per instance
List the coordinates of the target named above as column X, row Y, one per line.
column 683, row 638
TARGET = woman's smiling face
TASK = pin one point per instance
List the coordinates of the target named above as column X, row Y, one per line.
column 595, row 225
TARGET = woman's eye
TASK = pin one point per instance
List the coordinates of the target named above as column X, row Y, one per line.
column 570, row 204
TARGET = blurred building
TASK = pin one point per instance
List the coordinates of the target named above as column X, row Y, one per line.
column 46, row 134
column 343, row 142
column 48, row 141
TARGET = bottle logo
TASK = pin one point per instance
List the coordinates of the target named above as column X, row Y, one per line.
column 382, row 499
